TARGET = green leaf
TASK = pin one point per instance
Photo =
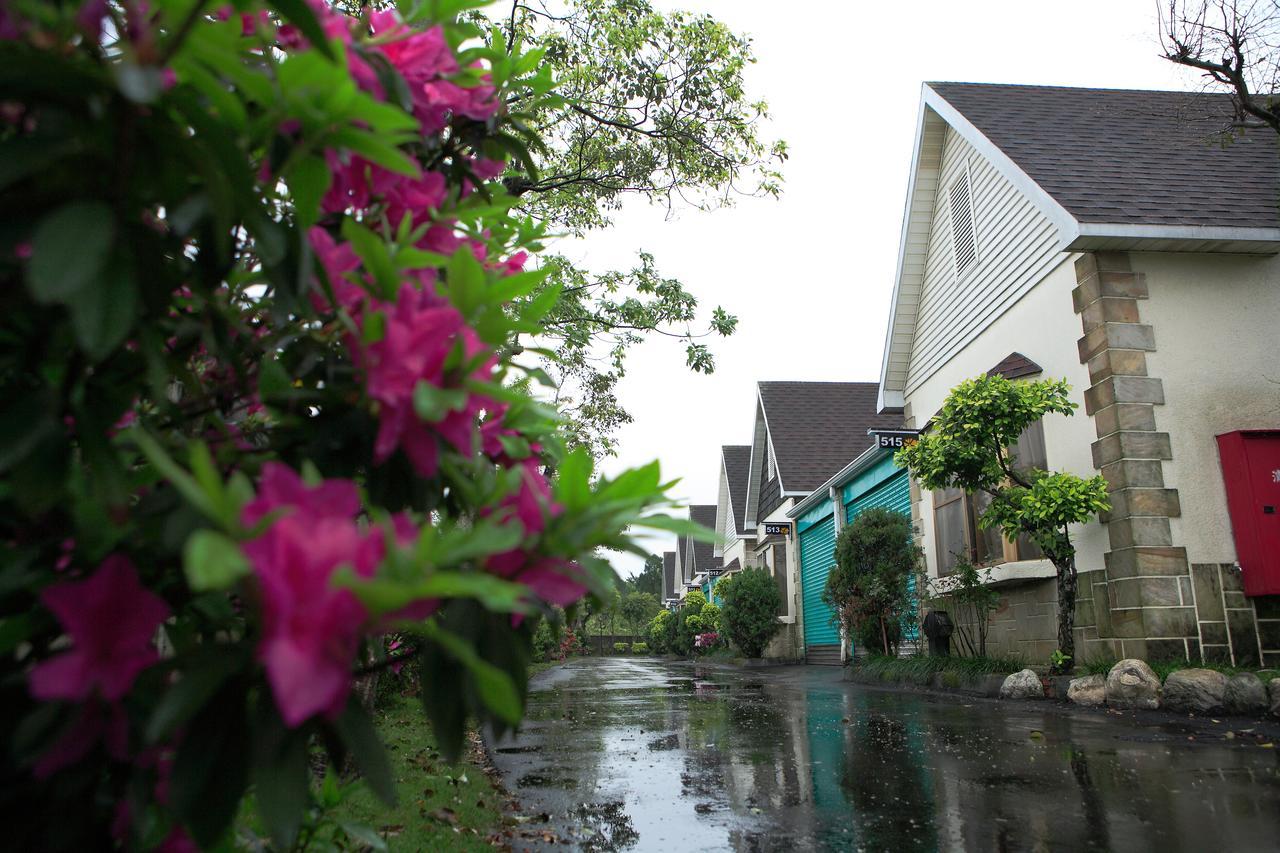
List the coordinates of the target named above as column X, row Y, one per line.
column 172, row 471
column 679, row 526
column 211, row 768
column 386, row 596
column 24, row 424
column 298, row 13
column 573, row 480
column 104, row 311
column 360, row 737
column 190, row 693
column 212, row 561
column 496, row 688
column 281, row 775
column 374, row 255
column 432, row 404
column 376, row 149
column 273, row 381
column 364, row 835
column 69, row 250
column 466, row 281
column 309, row 180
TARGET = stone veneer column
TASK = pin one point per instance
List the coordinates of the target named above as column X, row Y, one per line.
column 1149, row 592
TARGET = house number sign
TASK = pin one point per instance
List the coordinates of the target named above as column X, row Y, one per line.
column 894, row 439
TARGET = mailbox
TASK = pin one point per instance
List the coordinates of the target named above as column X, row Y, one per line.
column 1251, row 470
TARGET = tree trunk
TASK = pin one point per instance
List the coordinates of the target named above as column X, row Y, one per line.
column 884, row 637
column 1066, row 611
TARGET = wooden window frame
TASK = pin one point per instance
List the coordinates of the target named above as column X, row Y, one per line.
column 1012, row 551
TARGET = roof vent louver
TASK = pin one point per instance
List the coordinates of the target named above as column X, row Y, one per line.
column 964, row 243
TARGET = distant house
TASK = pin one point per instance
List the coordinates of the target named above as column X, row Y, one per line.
column 702, row 560
column 731, row 505
column 1114, row 239
column 670, row 581
column 804, row 432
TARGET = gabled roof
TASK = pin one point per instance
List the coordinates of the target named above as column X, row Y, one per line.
column 668, row 574
column 682, row 548
column 1132, row 157
column 1111, row 169
column 704, row 514
column 1015, row 365
column 736, row 460
column 817, row 427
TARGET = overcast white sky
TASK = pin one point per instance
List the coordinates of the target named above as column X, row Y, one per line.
column 810, row 276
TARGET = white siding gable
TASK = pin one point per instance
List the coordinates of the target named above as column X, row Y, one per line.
column 1016, row 245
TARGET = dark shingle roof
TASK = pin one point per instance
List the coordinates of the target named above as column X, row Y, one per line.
column 668, row 574
column 819, row 427
column 737, row 466
column 1015, row 365
column 704, row 514
column 682, row 543
column 1130, row 157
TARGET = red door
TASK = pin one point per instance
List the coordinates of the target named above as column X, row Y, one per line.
column 1251, row 469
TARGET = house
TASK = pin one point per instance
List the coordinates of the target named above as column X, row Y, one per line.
column 702, row 561
column 670, row 588
column 1118, row 240
column 731, row 517
column 804, row 432
column 872, row 479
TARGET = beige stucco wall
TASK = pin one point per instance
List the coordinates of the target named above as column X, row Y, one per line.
column 1043, row 326
column 1216, row 320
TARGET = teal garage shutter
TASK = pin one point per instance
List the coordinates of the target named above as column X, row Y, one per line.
column 817, row 556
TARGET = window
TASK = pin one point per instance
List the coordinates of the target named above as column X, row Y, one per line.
column 963, row 241
column 956, row 514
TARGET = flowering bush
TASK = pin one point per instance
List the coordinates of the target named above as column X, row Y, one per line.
column 706, row 641
column 264, row 405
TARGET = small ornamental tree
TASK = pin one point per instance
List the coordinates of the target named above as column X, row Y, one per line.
column 968, row 446
column 262, row 404
column 638, row 609
column 662, row 632
column 869, row 588
column 688, row 623
column 750, row 613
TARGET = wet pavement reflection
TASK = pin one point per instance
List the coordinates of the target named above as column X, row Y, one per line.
column 640, row 754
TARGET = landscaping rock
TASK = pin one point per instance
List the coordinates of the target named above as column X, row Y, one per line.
column 1273, row 688
column 1024, row 684
column 1090, row 691
column 1245, row 695
column 1132, row 684
column 1195, row 691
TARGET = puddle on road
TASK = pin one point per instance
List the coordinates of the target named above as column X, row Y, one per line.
column 726, row 761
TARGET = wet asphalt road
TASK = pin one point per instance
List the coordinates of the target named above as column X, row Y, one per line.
column 641, row 754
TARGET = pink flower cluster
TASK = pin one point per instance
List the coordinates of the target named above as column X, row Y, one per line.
column 111, row 621
column 311, row 629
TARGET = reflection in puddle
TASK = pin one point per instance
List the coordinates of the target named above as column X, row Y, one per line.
column 638, row 754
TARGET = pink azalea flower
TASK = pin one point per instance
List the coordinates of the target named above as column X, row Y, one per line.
column 338, row 259
column 310, row 629
column 111, row 619
column 279, row 487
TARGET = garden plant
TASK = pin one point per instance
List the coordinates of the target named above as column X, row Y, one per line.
column 967, row 446
column 265, row 401
column 751, row 607
column 869, row 589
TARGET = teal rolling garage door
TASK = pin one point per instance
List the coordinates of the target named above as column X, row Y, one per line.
column 817, row 556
